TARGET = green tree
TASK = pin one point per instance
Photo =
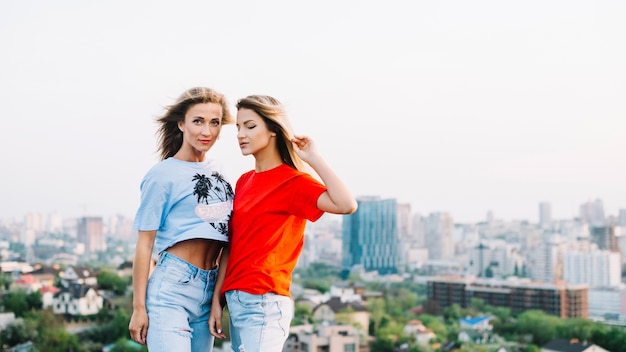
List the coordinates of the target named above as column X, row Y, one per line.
column 34, row 300
column 581, row 329
column 474, row 348
column 109, row 331
column 318, row 285
column 377, row 311
column 319, row 271
column 20, row 331
column 125, row 345
column 502, row 313
column 15, row 301
column 302, row 314
column 613, row 339
column 541, row 326
column 382, row 344
column 5, row 281
column 388, row 336
column 111, row 281
column 435, row 324
column 452, row 313
column 478, row 304
column 532, row 348
column 56, row 339
column 400, row 301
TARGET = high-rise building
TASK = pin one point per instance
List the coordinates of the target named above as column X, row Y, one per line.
column 419, row 231
column 54, row 223
column 621, row 218
column 495, row 258
column 119, row 227
column 405, row 233
column 596, row 268
column 490, row 217
column 34, row 227
column 604, row 237
column 370, row 236
column 405, row 226
column 480, row 257
column 546, row 260
column 90, row 233
column 440, row 236
column 545, row 215
column 593, row 213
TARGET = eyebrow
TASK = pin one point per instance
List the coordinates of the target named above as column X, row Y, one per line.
column 204, row 118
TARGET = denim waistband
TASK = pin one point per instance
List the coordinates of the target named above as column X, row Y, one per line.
column 170, row 259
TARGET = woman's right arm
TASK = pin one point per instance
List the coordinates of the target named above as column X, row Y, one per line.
column 138, row 326
column 219, row 301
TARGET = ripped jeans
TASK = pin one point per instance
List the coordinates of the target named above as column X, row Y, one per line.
column 178, row 301
column 259, row 323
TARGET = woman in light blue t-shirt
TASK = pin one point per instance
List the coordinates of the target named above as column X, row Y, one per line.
column 186, row 204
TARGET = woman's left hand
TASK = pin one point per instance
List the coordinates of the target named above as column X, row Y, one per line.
column 304, row 147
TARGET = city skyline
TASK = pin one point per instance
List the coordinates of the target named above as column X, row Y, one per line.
column 451, row 107
column 590, row 212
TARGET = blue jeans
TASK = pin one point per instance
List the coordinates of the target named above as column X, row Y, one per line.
column 258, row 323
column 178, row 301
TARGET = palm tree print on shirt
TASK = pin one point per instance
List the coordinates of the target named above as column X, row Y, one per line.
column 204, row 189
column 214, row 188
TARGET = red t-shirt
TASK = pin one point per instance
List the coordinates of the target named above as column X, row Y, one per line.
column 267, row 228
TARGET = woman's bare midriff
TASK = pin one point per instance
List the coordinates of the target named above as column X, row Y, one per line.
column 199, row 252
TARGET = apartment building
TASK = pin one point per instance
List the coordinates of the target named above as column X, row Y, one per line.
column 559, row 299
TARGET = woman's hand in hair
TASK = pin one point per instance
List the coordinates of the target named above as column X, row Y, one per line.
column 337, row 199
column 304, row 147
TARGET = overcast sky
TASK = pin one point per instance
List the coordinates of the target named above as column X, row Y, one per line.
column 457, row 106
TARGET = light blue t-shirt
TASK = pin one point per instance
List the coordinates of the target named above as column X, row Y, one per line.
column 184, row 200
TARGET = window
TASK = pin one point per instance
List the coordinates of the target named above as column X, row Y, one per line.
column 349, row 347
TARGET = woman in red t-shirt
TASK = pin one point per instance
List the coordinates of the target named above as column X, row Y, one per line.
column 271, row 206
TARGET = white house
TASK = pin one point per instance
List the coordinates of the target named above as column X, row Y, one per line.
column 47, row 295
column 77, row 300
column 422, row 334
column 475, row 329
column 323, row 337
column 79, row 275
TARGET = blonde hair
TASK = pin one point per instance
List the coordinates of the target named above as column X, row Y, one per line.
column 273, row 114
column 169, row 135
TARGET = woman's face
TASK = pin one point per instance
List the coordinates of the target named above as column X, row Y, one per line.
column 201, row 127
column 252, row 132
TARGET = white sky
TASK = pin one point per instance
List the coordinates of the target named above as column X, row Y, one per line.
column 458, row 106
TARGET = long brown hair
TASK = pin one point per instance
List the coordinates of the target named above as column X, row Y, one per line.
column 169, row 135
column 273, row 114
